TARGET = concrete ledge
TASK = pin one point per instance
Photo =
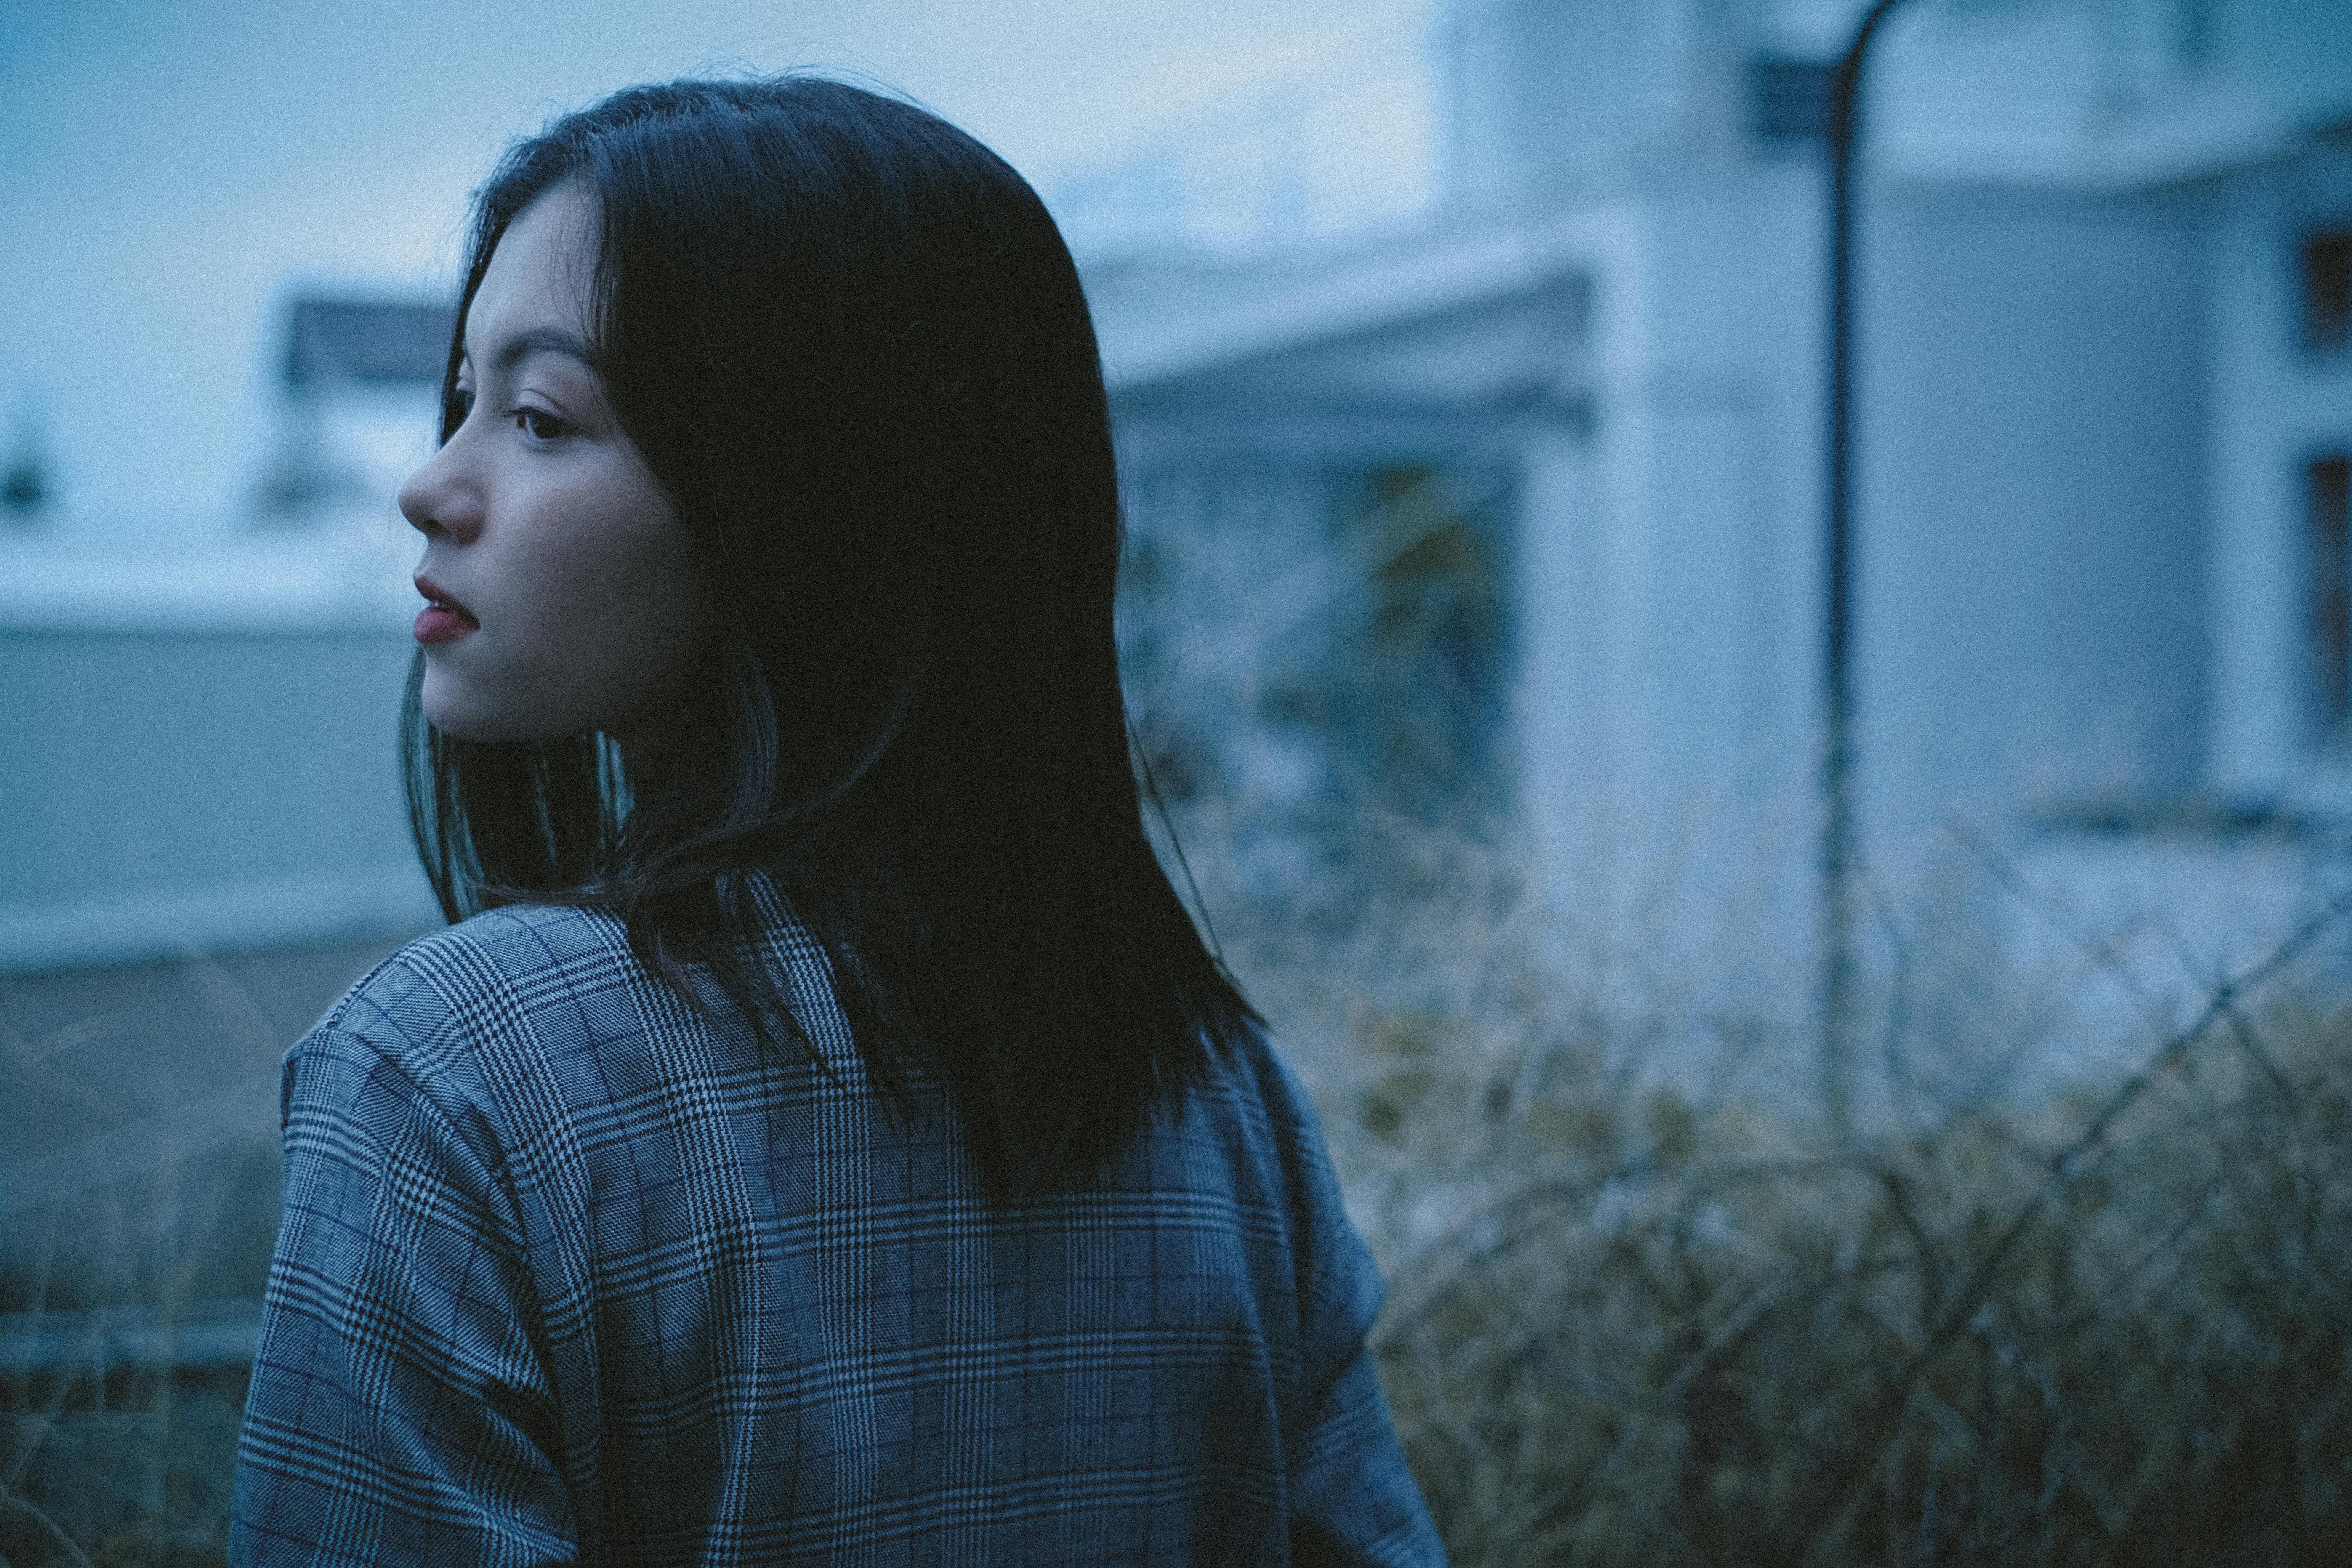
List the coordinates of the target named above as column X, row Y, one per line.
column 160, row 924
column 354, row 581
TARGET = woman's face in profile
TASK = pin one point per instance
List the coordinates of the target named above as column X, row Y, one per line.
column 563, row 592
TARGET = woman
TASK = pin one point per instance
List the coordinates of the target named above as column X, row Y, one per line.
column 824, row 1133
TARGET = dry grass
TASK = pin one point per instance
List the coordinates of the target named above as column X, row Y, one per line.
column 138, row 1201
column 133, row 1468
column 1633, row 1323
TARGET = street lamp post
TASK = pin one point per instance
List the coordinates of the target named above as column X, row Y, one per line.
column 1839, row 969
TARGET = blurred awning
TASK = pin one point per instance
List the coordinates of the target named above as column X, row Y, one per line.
column 369, row 343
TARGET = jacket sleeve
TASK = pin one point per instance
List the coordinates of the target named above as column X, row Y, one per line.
column 1353, row 1500
column 399, row 1410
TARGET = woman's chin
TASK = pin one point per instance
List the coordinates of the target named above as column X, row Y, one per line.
column 461, row 722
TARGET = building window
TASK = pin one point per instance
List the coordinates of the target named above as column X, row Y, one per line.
column 2327, row 552
column 1411, row 698
column 2327, row 288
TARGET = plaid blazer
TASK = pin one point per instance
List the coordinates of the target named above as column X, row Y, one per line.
column 567, row 1274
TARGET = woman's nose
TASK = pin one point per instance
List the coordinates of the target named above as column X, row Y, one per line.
column 441, row 497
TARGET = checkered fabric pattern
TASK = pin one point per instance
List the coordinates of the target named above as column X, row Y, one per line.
column 567, row 1274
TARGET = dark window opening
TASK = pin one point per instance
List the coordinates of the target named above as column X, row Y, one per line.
column 1788, row 102
column 2328, row 594
column 1418, row 688
column 1363, row 661
column 2327, row 288
column 370, row 343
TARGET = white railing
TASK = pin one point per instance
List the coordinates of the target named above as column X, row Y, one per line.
column 1354, row 148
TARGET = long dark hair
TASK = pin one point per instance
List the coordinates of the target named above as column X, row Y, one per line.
column 852, row 348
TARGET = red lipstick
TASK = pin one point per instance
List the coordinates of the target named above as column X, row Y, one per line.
column 443, row 619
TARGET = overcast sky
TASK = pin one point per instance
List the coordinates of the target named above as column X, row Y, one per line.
column 169, row 169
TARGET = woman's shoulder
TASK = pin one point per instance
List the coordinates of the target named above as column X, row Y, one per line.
column 1254, row 1078
column 1252, row 1104
column 481, row 977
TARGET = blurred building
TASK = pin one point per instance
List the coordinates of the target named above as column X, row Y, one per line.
column 356, row 379
column 1470, row 402
column 202, row 841
column 1519, row 345
column 202, row 723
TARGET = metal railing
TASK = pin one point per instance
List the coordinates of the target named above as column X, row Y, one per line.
column 1357, row 147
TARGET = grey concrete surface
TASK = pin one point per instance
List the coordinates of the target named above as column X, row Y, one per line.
column 138, row 1125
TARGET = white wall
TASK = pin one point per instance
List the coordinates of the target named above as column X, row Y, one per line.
column 201, row 750
column 1670, row 591
column 2032, row 608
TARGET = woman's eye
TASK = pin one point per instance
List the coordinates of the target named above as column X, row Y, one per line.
column 461, row 403
column 538, row 426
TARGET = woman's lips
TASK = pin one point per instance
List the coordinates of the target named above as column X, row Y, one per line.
column 438, row 622
column 443, row 619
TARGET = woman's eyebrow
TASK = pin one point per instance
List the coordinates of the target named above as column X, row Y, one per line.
column 537, row 340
